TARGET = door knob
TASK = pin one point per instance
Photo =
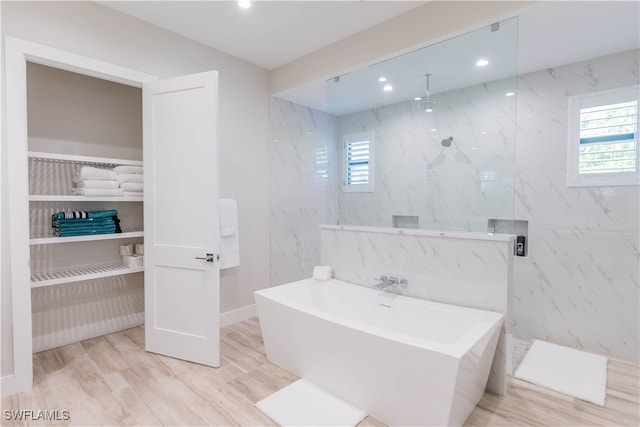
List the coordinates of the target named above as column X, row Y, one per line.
column 208, row 258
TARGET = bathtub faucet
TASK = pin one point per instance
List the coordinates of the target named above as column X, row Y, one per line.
column 385, row 282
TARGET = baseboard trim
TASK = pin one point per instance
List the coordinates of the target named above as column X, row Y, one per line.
column 238, row 315
column 8, row 385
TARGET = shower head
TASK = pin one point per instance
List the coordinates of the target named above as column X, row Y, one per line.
column 427, row 105
column 446, row 142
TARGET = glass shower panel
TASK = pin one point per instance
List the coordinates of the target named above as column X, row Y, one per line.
column 445, row 160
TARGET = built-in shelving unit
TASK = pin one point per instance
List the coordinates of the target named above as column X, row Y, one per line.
column 71, row 198
column 82, row 159
column 80, row 274
column 50, row 177
column 47, row 240
column 65, row 116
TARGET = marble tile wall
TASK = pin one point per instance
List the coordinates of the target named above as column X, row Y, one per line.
column 302, row 194
column 580, row 284
column 454, row 188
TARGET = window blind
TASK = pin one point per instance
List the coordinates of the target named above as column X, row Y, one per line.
column 608, row 138
column 357, row 163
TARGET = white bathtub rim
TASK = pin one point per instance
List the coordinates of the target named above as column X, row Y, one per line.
column 456, row 349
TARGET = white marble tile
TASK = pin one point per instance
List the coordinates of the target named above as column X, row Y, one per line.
column 299, row 157
column 458, row 187
column 579, row 286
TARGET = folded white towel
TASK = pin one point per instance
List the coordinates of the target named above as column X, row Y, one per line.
column 97, row 183
column 129, row 177
column 89, row 172
column 132, row 186
column 228, row 217
column 97, row 192
column 132, row 193
column 127, row 169
column 322, row 272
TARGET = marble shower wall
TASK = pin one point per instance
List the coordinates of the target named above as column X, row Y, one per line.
column 454, row 188
column 580, row 284
column 302, row 193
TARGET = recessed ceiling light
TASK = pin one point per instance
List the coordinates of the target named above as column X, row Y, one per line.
column 388, row 88
column 417, row 98
column 382, row 79
column 428, row 110
column 509, row 94
column 433, row 129
column 245, row 4
column 482, row 62
column 483, row 133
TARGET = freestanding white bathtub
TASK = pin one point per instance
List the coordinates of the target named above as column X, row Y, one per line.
column 403, row 360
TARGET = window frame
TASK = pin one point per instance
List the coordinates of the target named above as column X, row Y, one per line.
column 600, row 98
column 351, row 139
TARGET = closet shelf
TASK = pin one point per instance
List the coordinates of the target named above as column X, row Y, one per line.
column 46, row 240
column 79, row 274
column 55, row 157
column 70, row 198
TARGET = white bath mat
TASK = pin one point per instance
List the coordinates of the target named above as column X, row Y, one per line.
column 305, row 404
column 566, row 370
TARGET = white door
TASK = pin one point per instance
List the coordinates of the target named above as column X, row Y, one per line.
column 182, row 305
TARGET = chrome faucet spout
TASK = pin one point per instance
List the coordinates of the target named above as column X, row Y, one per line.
column 386, row 282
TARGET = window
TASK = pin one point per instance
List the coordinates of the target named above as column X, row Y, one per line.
column 603, row 138
column 358, row 162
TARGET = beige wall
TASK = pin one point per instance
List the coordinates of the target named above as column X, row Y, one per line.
column 89, row 29
column 72, row 113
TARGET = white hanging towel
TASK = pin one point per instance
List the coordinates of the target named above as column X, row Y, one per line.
column 228, row 217
column 229, row 241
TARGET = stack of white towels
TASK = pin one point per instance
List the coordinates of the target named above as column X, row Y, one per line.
column 92, row 182
column 119, row 181
column 130, row 180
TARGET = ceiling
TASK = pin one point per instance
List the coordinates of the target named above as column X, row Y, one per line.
column 269, row 33
column 273, row 33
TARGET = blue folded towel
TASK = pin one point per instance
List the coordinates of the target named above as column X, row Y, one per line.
column 80, row 233
column 84, row 214
column 111, row 228
column 81, row 223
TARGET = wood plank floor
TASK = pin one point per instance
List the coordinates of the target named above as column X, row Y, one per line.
column 111, row 380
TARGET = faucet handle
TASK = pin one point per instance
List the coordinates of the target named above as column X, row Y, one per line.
column 393, row 279
column 383, row 277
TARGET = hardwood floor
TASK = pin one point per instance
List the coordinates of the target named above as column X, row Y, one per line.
column 111, row 380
